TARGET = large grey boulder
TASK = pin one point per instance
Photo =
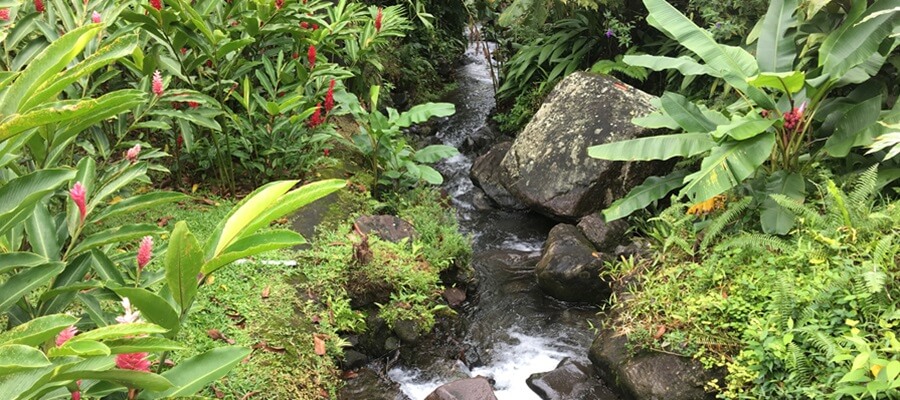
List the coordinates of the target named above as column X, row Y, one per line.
column 569, row 268
column 570, row 380
column 547, row 167
column 368, row 385
column 487, row 175
column 464, row 389
column 604, row 235
column 650, row 375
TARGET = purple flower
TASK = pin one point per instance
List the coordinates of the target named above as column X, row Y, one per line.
column 610, row 33
column 718, row 25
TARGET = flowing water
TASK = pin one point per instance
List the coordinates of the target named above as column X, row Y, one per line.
column 515, row 329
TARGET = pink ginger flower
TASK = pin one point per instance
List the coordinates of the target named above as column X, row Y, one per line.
column 378, row 18
column 311, row 55
column 279, row 4
column 157, row 83
column 193, row 104
column 4, row 14
column 329, row 97
column 76, row 395
column 96, row 18
column 39, row 6
column 145, row 252
column 79, row 196
column 133, row 361
column 130, row 315
column 133, row 153
column 316, row 119
column 157, row 4
column 304, row 25
column 65, row 335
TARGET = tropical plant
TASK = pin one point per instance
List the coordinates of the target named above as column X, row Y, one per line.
column 783, row 119
column 380, row 141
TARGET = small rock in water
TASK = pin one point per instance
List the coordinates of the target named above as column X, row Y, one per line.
column 477, row 388
column 570, row 380
column 454, row 296
column 369, row 386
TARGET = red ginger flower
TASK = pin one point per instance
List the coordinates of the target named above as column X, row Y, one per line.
column 76, row 395
column 378, row 18
column 133, row 361
column 157, row 83
column 4, row 14
column 316, row 119
column 279, row 4
column 311, row 55
column 304, row 25
column 193, row 104
column 133, row 153
column 329, row 97
column 65, row 335
column 145, row 252
column 78, row 195
column 39, row 5
column 96, row 18
column 157, row 4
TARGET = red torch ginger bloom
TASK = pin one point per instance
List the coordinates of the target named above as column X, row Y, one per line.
column 133, row 153
column 329, row 97
column 76, row 395
column 279, row 4
column 78, row 195
column 311, row 55
column 183, row 50
column 133, row 361
column 315, row 27
column 179, row 141
column 157, row 83
column 304, row 25
column 39, row 5
column 157, row 4
column 65, row 335
column 193, row 104
column 4, row 14
column 144, row 252
column 326, row 152
column 316, row 119
column 378, row 18
column 95, row 17
column 793, row 118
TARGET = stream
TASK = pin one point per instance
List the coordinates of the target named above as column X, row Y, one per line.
column 513, row 327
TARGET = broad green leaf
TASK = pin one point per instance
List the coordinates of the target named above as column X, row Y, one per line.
column 774, row 218
column 153, row 308
column 653, row 188
column 194, row 118
column 146, row 344
column 18, row 357
column 38, row 330
column 118, row 48
column 656, row 120
column 183, row 261
column 434, row 153
column 138, row 203
column 776, row 49
column 192, row 375
column 136, row 379
column 105, row 268
column 9, row 261
column 119, row 331
column 790, row 82
column 117, row 235
column 744, row 128
column 73, row 274
column 122, row 179
column 891, row 139
column 252, row 245
column 423, row 112
column 727, row 166
column 245, row 212
column 21, row 195
column 686, row 114
column 661, row 147
column 233, row 45
column 854, row 42
column 52, row 59
column 685, row 65
column 80, row 348
column 430, row 175
column 854, row 128
column 24, row 282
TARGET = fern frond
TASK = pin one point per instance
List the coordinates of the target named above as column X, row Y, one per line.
column 874, row 281
column 807, row 213
column 815, row 335
column 866, row 186
column 728, row 216
column 884, row 250
column 837, row 206
column 757, row 241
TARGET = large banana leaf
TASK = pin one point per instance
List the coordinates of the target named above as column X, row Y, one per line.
column 686, row 113
column 776, row 50
column 653, row 188
column 661, row 147
column 857, row 38
column 684, row 64
column 727, row 166
column 854, row 128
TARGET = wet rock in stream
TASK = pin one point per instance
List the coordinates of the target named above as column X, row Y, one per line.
column 487, row 175
column 464, row 389
column 570, row 380
column 369, row 385
column 570, row 267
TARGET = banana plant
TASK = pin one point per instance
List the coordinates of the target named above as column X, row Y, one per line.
column 783, row 116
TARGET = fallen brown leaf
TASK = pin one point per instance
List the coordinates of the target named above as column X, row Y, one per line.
column 319, row 342
column 660, row 331
column 265, row 292
column 349, row 375
column 249, row 395
column 219, row 394
column 164, row 221
column 215, row 334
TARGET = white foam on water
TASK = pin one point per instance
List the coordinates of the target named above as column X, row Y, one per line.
column 512, row 364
